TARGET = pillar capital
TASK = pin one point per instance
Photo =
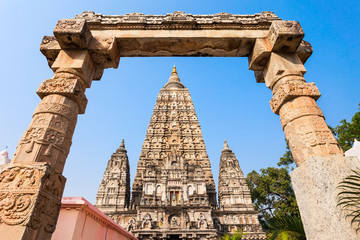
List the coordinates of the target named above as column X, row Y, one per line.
column 282, row 65
column 77, row 62
column 103, row 51
column 283, row 36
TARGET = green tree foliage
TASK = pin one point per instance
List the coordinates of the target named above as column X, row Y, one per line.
column 286, row 227
column 347, row 132
column 287, row 159
column 272, row 194
column 235, row 236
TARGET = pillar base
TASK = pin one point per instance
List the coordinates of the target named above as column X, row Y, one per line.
column 315, row 184
column 30, row 201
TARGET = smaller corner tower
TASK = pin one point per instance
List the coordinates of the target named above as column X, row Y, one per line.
column 233, row 190
column 114, row 191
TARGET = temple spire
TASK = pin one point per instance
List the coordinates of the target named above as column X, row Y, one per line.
column 226, row 147
column 174, row 80
column 174, row 70
column 122, row 147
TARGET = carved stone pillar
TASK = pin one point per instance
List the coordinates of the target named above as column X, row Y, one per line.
column 294, row 100
column 31, row 186
column 278, row 61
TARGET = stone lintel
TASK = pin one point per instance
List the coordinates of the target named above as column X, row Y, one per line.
column 315, row 184
column 78, row 60
column 72, row 33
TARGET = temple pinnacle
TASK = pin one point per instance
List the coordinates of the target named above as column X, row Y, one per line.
column 174, row 80
column 174, row 70
column 226, row 146
column 122, row 147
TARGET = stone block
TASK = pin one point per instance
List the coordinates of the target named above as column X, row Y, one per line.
column 304, row 51
column 50, row 48
column 315, row 184
column 78, row 60
column 285, row 36
column 259, row 55
column 280, row 65
column 104, row 52
column 72, row 33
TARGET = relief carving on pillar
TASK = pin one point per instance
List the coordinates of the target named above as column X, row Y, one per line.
column 290, row 90
column 65, row 84
column 20, row 187
column 310, row 136
column 64, row 110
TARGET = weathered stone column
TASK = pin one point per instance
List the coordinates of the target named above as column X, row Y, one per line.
column 31, row 186
column 278, row 61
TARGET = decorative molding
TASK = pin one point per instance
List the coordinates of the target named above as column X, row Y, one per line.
column 178, row 20
column 290, row 90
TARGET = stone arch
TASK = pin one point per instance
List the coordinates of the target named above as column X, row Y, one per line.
column 274, row 48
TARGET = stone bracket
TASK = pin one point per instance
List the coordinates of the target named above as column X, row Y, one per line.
column 103, row 51
column 285, row 37
column 72, row 33
column 289, row 91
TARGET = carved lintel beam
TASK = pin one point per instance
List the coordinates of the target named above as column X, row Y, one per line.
column 72, row 33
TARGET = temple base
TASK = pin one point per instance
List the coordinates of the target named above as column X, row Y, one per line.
column 315, row 184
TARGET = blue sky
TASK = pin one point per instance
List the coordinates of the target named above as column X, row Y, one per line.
column 228, row 101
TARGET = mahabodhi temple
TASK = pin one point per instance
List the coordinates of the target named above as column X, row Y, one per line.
column 32, row 184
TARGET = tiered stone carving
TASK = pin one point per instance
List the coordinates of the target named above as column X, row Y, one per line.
column 114, row 190
column 235, row 206
column 173, row 193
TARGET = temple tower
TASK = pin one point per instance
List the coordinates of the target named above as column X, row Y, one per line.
column 114, row 190
column 174, row 132
column 235, row 206
column 233, row 190
column 173, row 195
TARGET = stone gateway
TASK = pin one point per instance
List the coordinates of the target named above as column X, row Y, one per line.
column 173, row 194
column 31, row 186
